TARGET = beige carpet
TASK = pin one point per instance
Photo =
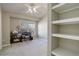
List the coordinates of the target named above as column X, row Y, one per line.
column 37, row 47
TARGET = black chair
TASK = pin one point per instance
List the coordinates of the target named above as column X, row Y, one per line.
column 28, row 34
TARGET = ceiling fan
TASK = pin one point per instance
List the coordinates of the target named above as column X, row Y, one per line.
column 32, row 8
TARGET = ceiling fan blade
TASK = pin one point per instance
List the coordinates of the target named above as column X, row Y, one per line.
column 35, row 10
column 36, row 7
column 27, row 11
column 30, row 11
column 28, row 6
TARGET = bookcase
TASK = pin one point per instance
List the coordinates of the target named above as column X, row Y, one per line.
column 64, row 29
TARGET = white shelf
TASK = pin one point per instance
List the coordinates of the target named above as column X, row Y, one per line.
column 72, row 37
column 65, row 7
column 64, row 52
column 67, row 21
column 58, row 5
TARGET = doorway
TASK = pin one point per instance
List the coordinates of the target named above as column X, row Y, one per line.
column 21, row 29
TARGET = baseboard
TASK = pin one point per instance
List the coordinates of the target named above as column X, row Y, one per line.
column 5, row 45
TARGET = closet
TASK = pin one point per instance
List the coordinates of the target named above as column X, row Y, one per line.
column 64, row 29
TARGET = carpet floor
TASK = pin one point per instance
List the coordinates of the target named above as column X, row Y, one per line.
column 37, row 47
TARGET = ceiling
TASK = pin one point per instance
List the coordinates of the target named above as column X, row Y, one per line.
column 21, row 8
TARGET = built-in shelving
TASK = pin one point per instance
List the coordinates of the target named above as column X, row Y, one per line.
column 67, row 21
column 64, row 38
column 72, row 37
column 64, row 52
column 65, row 7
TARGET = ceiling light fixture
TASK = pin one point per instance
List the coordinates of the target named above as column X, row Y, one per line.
column 32, row 9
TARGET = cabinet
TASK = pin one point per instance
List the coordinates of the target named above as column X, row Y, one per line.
column 64, row 29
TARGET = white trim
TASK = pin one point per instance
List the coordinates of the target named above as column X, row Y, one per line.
column 5, row 45
column 0, row 28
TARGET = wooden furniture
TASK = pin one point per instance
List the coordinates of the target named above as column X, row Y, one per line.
column 14, row 37
column 64, row 29
column 20, row 37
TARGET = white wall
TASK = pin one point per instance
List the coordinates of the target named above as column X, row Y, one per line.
column 42, row 28
column 6, row 29
column 0, row 28
column 43, row 25
column 14, row 23
column 36, row 30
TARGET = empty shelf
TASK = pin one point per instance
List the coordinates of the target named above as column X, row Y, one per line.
column 58, row 5
column 73, row 37
column 65, row 7
column 64, row 52
column 67, row 21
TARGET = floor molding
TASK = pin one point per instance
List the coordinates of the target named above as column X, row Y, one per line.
column 5, row 45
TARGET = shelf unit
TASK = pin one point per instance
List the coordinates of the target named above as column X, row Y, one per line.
column 64, row 25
